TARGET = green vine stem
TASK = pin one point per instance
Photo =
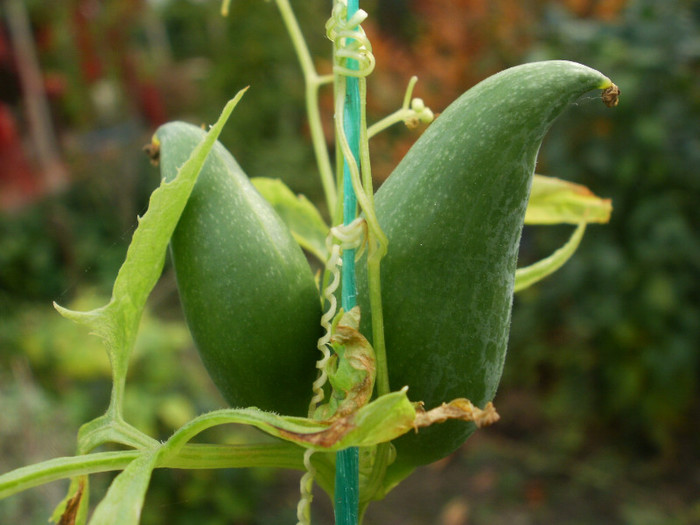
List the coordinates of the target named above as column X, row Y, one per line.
column 312, row 81
column 192, row 456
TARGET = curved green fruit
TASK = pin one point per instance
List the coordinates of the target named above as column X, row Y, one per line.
column 247, row 291
column 453, row 212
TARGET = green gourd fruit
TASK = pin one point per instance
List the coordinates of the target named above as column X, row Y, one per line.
column 453, row 212
column 246, row 288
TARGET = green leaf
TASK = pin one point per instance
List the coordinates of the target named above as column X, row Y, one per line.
column 124, row 500
column 556, row 201
column 301, row 217
column 117, row 322
column 529, row 275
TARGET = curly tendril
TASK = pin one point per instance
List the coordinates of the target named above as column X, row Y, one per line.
column 306, row 488
column 333, row 266
column 350, row 42
column 350, row 236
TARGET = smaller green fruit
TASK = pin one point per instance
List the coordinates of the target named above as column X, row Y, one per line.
column 247, row 291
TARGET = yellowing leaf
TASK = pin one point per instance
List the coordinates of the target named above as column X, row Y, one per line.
column 529, row 275
column 556, row 201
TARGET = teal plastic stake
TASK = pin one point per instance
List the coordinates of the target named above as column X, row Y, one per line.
column 347, row 482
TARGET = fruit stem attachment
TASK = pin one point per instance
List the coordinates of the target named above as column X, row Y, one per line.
column 413, row 112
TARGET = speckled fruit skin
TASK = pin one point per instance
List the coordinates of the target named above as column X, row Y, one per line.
column 247, row 291
column 453, row 212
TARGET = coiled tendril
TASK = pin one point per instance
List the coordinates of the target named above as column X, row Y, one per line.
column 350, row 42
column 306, row 485
column 350, row 236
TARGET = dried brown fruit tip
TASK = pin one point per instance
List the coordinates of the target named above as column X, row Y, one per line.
column 611, row 96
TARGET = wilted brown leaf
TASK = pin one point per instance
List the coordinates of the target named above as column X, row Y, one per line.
column 461, row 409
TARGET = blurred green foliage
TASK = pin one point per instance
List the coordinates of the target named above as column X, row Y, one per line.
column 54, row 378
column 251, row 47
column 612, row 340
column 77, row 237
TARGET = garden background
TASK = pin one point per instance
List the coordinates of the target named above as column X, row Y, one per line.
column 600, row 399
